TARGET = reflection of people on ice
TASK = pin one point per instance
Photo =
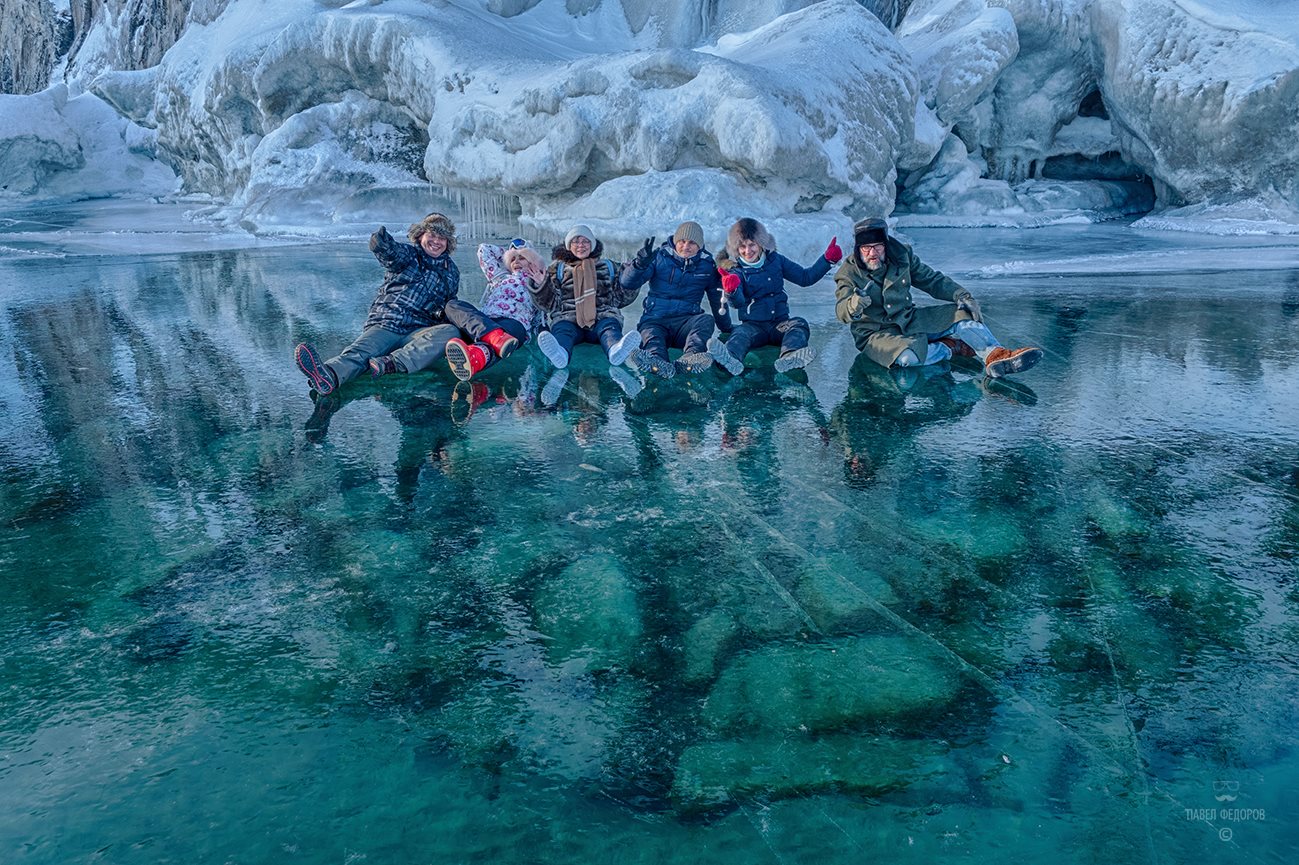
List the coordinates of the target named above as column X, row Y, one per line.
column 407, row 329
column 876, row 419
column 505, row 313
column 873, row 297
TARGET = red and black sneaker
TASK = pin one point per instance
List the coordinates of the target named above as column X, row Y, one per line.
column 322, row 378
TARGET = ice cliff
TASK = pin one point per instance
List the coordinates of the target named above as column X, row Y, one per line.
column 632, row 114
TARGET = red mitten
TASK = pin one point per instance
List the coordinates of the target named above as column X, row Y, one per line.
column 730, row 281
column 833, row 253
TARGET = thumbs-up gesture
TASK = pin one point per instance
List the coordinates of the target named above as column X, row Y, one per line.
column 730, row 281
column 833, row 253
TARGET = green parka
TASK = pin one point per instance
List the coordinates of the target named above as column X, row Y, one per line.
column 880, row 311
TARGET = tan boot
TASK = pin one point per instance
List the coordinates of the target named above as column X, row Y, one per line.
column 1004, row 361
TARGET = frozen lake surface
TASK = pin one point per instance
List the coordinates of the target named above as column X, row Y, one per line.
column 751, row 620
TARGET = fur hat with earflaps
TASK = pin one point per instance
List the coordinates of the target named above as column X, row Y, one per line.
column 748, row 229
column 872, row 229
column 435, row 223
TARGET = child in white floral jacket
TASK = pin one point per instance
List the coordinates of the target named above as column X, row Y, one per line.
column 506, row 306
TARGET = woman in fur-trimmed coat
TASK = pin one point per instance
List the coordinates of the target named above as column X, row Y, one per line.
column 582, row 300
column 753, row 278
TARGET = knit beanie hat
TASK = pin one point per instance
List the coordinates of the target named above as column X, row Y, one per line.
column 748, row 229
column 691, row 231
column 579, row 231
column 435, row 223
column 872, row 229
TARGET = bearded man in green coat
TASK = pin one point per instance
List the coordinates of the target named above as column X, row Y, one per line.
column 873, row 297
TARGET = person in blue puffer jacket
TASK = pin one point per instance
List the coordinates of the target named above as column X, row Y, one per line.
column 680, row 273
column 753, row 279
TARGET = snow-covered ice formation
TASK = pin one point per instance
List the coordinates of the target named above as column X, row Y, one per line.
column 634, row 115
column 63, row 147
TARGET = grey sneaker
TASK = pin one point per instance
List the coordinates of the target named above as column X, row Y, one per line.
column 554, row 387
column 652, row 363
column 623, row 348
column 796, row 359
column 626, row 381
column 551, row 348
column 695, row 362
column 720, row 353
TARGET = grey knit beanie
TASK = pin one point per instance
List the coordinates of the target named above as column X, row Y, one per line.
column 579, row 231
column 691, row 231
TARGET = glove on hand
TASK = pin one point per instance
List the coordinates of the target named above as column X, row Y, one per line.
column 833, row 253
column 378, row 237
column 968, row 303
column 642, row 259
column 730, row 281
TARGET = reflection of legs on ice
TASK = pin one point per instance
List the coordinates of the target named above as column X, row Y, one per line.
column 323, row 412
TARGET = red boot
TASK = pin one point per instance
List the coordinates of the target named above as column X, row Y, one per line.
column 501, row 342
column 467, row 360
column 463, row 404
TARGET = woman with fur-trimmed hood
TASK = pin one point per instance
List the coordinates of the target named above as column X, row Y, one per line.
column 582, row 299
column 753, row 278
column 407, row 328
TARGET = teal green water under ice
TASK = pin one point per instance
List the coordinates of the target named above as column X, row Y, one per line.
column 757, row 620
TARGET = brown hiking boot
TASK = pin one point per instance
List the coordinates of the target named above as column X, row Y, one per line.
column 1004, row 361
column 959, row 349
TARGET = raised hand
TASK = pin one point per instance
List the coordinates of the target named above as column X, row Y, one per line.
column 730, row 281
column 969, row 304
column 646, row 252
column 833, row 253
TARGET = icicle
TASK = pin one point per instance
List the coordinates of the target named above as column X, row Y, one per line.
column 483, row 213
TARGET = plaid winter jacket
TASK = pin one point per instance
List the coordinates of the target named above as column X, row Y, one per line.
column 416, row 286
